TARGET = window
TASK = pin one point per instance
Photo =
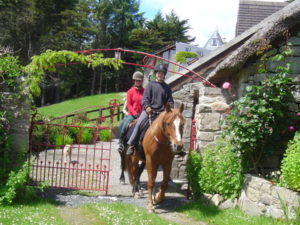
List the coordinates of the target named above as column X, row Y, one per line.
column 214, row 42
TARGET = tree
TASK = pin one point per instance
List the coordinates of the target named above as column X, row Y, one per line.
column 115, row 20
column 171, row 28
column 24, row 24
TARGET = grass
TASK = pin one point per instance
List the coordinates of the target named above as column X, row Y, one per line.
column 30, row 214
column 97, row 213
column 122, row 214
column 72, row 105
column 213, row 215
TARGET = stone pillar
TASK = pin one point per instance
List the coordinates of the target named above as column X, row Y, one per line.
column 188, row 95
column 18, row 113
column 209, row 113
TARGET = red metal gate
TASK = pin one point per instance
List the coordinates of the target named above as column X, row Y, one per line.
column 73, row 156
column 63, row 161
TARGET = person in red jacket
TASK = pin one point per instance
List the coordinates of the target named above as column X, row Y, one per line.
column 133, row 104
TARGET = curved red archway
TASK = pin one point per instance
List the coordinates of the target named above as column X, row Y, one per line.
column 197, row 77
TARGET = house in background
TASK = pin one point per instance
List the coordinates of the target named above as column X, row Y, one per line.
column 215, row 41
column 169, row 52
column 252, row 12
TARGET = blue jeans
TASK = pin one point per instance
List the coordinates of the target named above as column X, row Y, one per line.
column 124, row 124
column 141, row 120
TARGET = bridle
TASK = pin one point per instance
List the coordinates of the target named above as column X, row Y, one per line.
column 155, row 137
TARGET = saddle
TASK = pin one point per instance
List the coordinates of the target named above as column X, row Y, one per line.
column 143, row 128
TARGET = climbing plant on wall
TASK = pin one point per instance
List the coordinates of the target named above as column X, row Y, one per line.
column 262, row 115
column 10, row 81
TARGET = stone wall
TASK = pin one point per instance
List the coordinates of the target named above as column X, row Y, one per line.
column 188, row 95
column 261, row 197
column 209, row 113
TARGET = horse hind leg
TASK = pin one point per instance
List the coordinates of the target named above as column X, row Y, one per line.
column 140, row 171
column 122, row 176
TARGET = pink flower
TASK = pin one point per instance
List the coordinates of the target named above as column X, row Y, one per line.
column 226, row 85
column 291, row 128
column 298, row 114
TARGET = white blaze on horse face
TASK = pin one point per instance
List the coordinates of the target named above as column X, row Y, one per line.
column 177, row 130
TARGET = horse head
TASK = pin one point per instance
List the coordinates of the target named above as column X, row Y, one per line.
column 173, row 126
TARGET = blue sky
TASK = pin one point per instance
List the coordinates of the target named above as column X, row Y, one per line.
column 205, row 16
column 149, row 9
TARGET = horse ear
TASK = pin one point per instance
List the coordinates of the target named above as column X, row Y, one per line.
column 181, row 107
column 168, row 107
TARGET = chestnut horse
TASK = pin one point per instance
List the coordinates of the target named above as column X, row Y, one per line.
column 159, row 147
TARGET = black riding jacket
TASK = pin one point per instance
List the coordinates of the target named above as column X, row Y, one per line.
column 157, row 95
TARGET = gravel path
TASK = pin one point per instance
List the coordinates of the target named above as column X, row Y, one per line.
column 122, row 193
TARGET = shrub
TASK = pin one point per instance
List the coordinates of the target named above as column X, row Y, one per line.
column 16, row 188
column 105, row 135
column 73, row 131
column 86, row 135
column 193, row 166
column 290, row 166
column 5, row 144
column 54, row 132
column 221, row 170
column 61, row 140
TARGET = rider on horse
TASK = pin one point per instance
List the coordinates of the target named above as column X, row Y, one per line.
column 133, row 103
column 157, row 94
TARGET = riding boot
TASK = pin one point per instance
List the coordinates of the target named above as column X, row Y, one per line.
column 130, row 150
column 121, row 144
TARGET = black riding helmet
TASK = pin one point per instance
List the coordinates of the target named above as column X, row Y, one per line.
column 160, row 68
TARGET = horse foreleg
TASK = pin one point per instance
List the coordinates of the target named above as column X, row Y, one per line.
column 164, row 184
column 151, row 171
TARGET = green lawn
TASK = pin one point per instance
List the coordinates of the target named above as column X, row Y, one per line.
column 98, row 213
column 30, row 214
column 213, row 215
column 122, row 214
column 72, row 105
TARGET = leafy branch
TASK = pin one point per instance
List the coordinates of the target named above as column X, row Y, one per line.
column 49, row 60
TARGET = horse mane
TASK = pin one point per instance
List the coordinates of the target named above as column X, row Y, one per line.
column 162, row 118
column 159, row 120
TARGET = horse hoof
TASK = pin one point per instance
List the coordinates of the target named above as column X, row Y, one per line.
column 136, row 196
column 122, row 182
column 151, row 211
column 141, row 193
column 158, row 199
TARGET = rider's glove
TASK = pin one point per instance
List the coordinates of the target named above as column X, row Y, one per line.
column 149, row 110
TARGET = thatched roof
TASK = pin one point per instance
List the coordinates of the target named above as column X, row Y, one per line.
column 252, row 12
column 232, row 56
column 269, row 29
